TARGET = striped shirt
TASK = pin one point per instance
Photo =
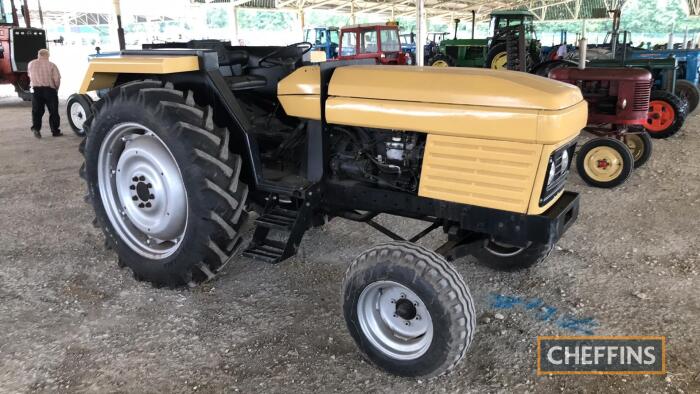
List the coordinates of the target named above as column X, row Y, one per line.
column 43, row 73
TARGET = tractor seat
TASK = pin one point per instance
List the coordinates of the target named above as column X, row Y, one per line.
column 235, row 63
column 245, row 82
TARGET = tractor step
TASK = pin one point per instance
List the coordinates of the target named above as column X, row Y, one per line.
column 280, row 228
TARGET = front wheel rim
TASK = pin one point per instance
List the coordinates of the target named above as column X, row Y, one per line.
column 395, row 320
column 660, row 117
column 636, row 145
column 603, row 164
column 142, row 190
column 77, row 115
column 500, row 61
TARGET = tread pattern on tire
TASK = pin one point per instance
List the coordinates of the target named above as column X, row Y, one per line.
column 223, row 195
column 454, row 292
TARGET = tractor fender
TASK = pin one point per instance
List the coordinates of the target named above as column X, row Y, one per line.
column 543, row 69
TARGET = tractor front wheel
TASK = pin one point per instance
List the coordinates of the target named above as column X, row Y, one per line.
column 689, row 92
column 604, row 162
column 505, row 257
column 78, row 108
column 408, row 310
column 640, row 145
column 163, row 184
column 441, row 60
column 497, row 57
column 666, row 114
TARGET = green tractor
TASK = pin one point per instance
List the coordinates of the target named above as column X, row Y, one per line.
column 507, row 27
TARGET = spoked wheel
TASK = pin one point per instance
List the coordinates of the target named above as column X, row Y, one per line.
column 640, row 145
column 604, row 162
column 163, row 183
column 503, row 256
column 666, row 114
column 408, row 310
column 78, row 109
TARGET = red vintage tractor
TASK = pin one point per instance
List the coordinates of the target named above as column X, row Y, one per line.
column 618, row 105
column 372, row 41
column 18, row 46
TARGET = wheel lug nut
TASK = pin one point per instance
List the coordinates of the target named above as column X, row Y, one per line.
column 151, row 196
column 393, row 301
column 142, row 178
column 417, row 317
column 148, row 205
column 132, row 187
column 403, row 295
column 395, row 315
column 141, row 205
column 134, row 198
column 408, row 323
column 135, row 179
column 149, row 186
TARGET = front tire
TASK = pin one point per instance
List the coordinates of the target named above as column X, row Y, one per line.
column 78, row 109
column 505, row 257
column 163, row 183
column 408, row 310
column 640, row 146
column 604, row 162
column 441, row 60
column 497, row 57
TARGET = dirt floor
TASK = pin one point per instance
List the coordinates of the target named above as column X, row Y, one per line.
column 72, row 321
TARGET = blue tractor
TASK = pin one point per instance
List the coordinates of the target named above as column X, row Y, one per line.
column 323, row 39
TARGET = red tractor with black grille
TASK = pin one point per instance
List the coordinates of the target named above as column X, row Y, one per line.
column 618, row 105
column 18, row 46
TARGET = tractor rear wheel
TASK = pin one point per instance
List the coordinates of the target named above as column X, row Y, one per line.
column 666, row 114
column 640, row 145
column 505, row 257
column 163, row 184
column 497, row 57
column 78, row 108
column 441, row 60
column 604, row 162
column 408, row 310
column 689, row 92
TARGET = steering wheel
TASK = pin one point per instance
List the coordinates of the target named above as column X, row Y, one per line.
column 269, row 60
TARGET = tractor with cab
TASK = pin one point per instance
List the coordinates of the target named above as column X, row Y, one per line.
column 324, row 39
column 379, row 42
column 18, row 46
column 196, row 144
column 510, row 30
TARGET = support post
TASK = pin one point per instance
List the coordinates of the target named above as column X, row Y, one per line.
column 582, row 47
column 233, row 22
column 300, row 17
column 669, row 46
column 421, row 26
column 352, row 13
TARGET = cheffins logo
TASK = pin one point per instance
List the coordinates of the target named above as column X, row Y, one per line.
column 595, row 355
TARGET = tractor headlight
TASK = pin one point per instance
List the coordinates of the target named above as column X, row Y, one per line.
column 557, row 171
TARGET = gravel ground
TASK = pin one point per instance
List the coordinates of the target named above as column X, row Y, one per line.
column 71, row 321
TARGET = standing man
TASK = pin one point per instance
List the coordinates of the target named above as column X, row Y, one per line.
column 45, row 80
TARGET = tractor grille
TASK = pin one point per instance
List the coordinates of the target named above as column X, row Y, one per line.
column 642, row 90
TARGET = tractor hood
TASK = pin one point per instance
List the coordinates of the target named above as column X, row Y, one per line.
column 458, row 86
column 474, row 103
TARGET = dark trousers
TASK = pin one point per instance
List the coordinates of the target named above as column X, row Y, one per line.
column 45, row 96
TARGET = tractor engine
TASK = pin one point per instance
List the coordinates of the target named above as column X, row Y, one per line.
column 387, row 159
column 617, row 96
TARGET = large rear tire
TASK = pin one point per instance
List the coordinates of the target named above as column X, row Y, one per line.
column 666, row 114
column 163, row 184
column 408, row 310
column 687, row 91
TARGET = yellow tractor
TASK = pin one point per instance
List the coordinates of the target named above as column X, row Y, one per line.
column 195, row 143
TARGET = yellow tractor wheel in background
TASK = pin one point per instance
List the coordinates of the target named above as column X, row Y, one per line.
column 441, row 60
column 640, row 146
column 500, row 61
column 604, row 162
